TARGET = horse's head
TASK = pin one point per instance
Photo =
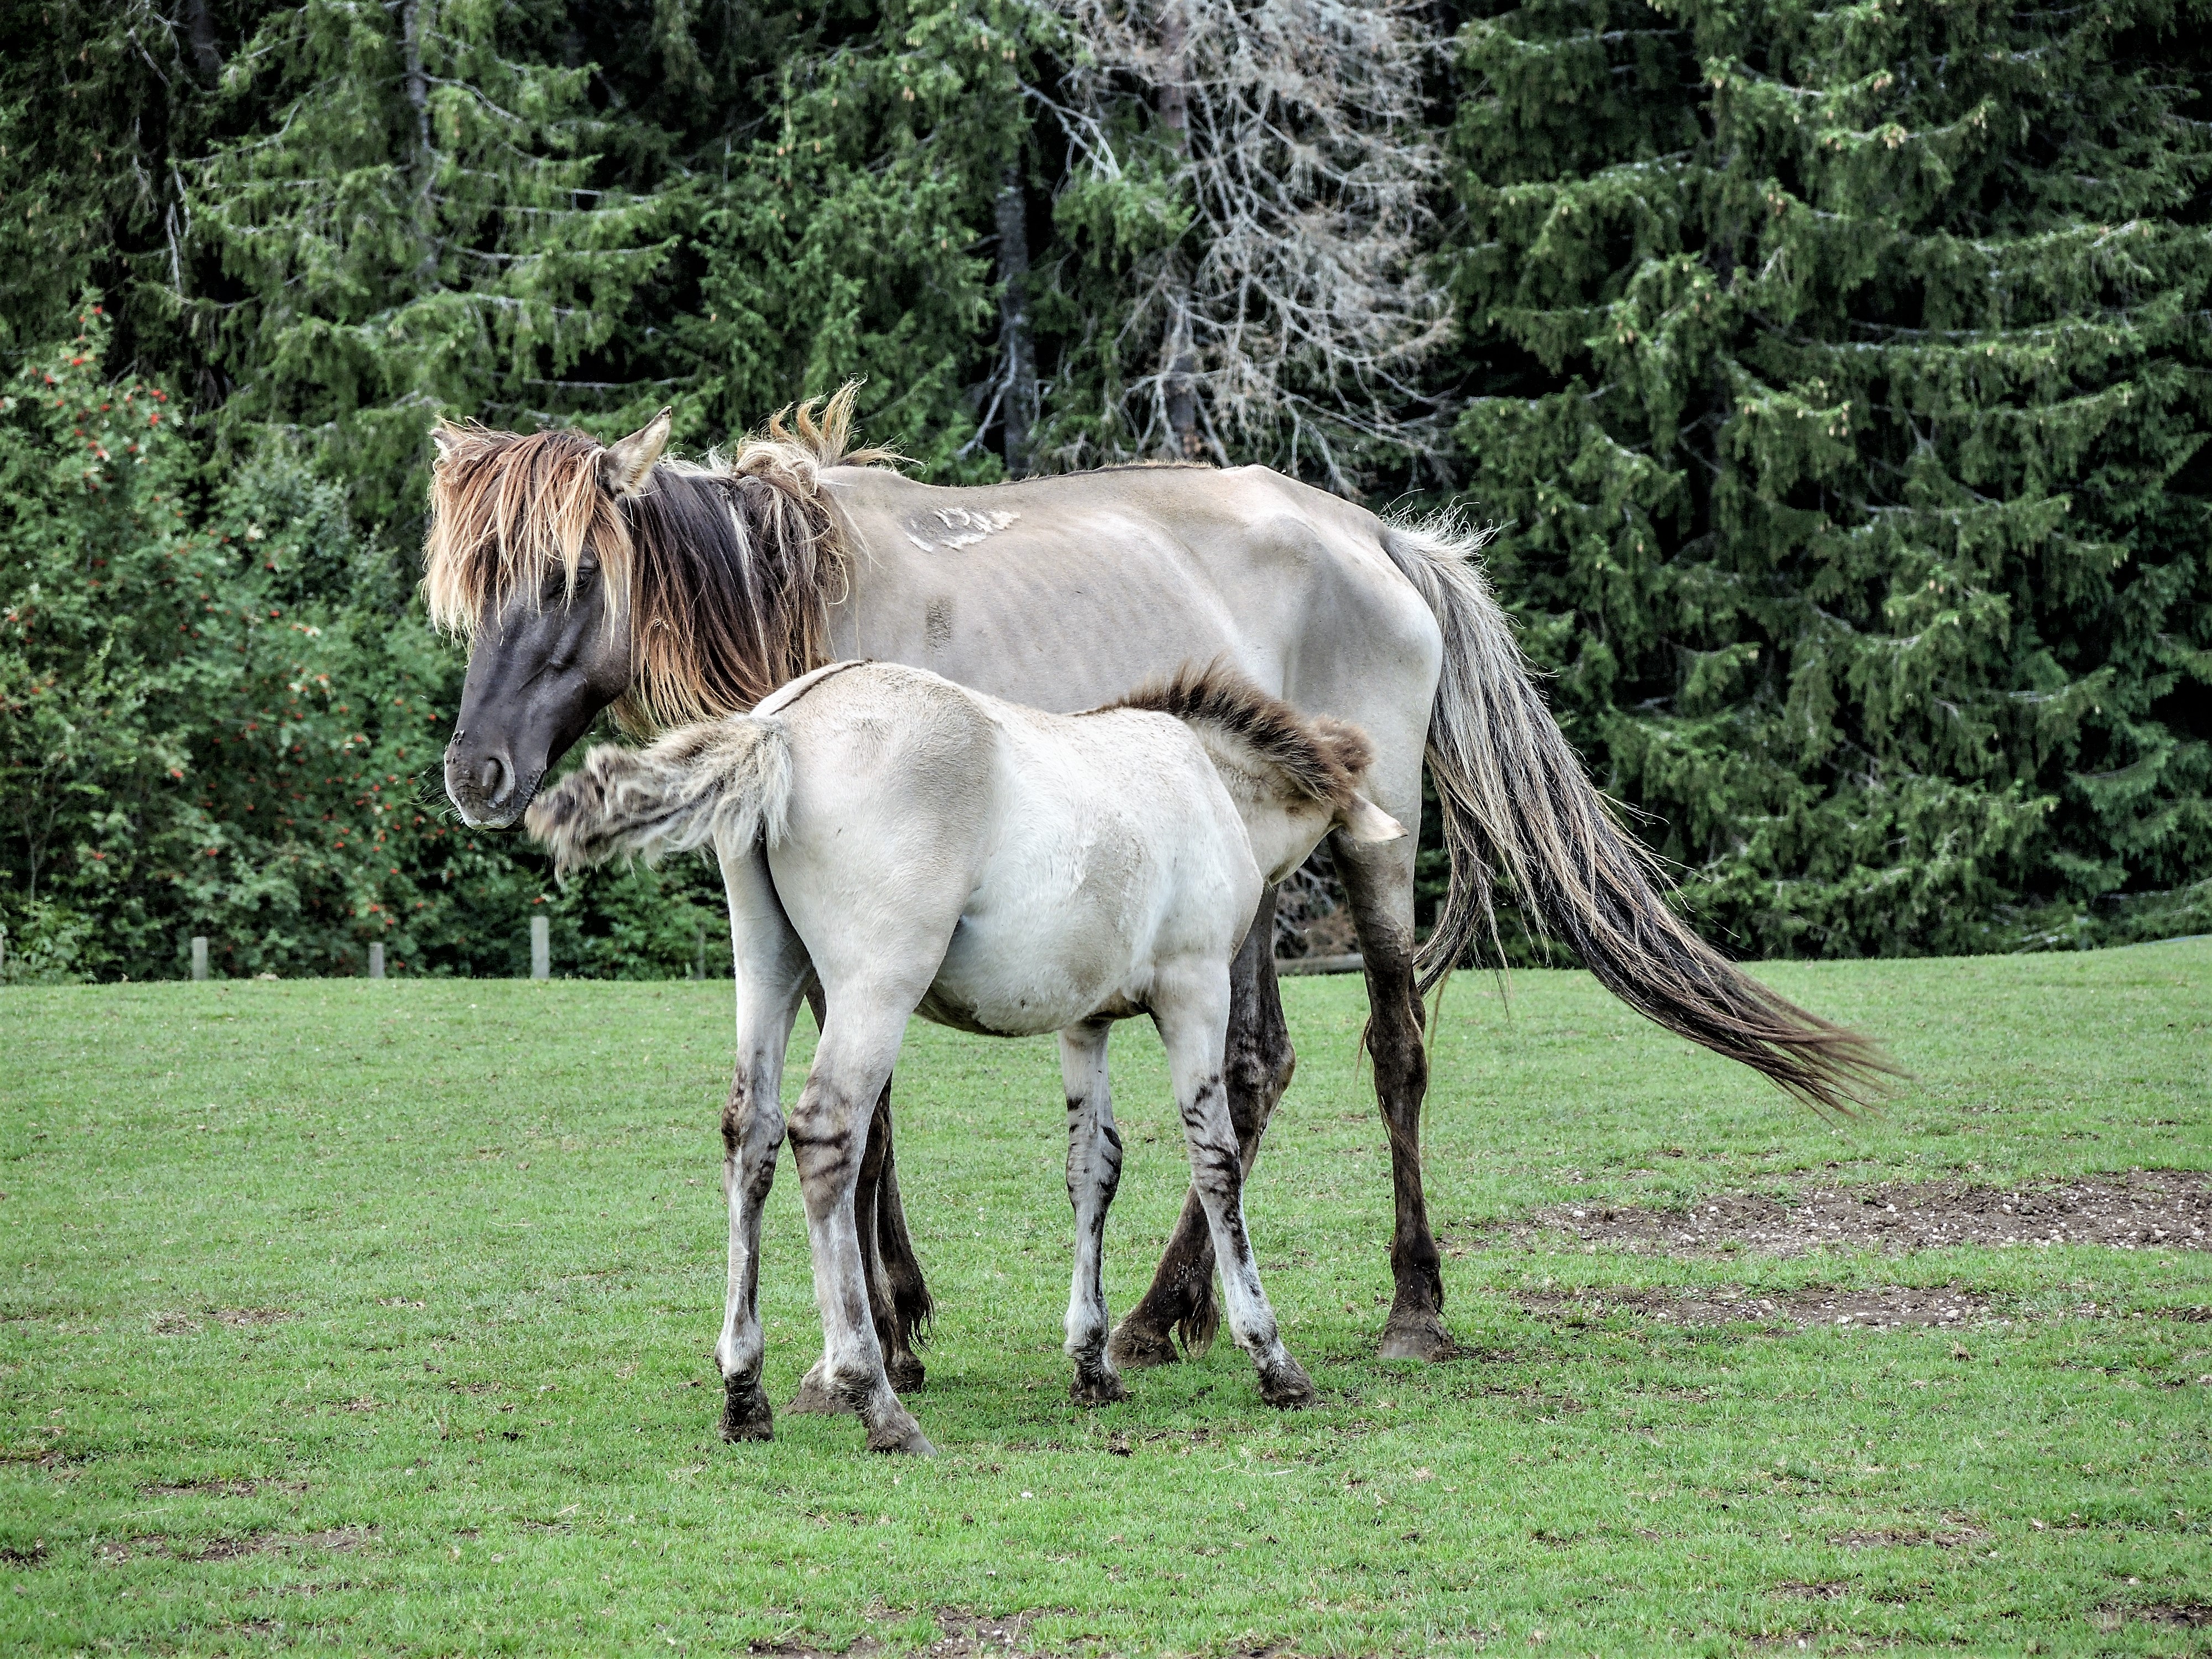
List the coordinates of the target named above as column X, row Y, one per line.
column 529, row 557
column 581, row 576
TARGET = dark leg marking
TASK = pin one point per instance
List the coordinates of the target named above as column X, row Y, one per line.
column 1257, row 1064
column 899, row 1303
column 869, row 1215
column 1415, row 1330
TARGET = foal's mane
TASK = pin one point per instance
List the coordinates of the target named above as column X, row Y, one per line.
column 723, row 571
column 1320, row 758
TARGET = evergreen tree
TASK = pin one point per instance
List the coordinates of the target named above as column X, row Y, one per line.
column 1846, row 392
column 413, row 227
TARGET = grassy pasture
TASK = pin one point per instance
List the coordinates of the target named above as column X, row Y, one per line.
column 376, row 1316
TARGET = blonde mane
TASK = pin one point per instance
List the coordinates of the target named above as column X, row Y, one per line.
column 723, row 572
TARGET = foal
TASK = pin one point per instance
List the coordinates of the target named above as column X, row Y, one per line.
column 923, row 848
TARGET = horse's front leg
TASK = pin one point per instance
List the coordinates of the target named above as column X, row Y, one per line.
column 828, row 1130
column 1094, row 1170
column 771, row 971
column 1257, row 1063
column 1190, row 1005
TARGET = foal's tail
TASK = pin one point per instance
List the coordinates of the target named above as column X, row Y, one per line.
column 1515, row 800
column 725, row 780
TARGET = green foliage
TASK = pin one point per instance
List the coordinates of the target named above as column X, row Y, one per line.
column 843, row 237
column 1849, row 380
column 1841, row 376
column 411, row 214
column 217, row 718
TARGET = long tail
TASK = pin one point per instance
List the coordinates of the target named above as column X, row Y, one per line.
column 1516, row 800
column 725, row 780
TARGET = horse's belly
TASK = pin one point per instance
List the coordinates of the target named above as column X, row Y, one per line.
column 1011, row 976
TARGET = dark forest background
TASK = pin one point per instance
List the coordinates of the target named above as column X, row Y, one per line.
column 1838, row 375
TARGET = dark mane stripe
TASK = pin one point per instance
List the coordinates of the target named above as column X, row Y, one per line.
column 1321, row 759
column 723, row 573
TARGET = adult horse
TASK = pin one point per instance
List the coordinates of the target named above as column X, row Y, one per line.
column 590, row 576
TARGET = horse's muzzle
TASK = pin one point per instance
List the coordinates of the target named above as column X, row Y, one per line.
column 486, row 788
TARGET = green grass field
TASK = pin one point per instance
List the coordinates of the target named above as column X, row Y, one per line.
column 377, row 1316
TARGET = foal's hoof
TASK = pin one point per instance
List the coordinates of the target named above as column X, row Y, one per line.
column 815, row 1398
column 906, row 1374
column 1418, row 1335
column 900, row 1438
column 1095, row 1389
column 1133, row 1346
column 1286, row 1386
column 746, row 1414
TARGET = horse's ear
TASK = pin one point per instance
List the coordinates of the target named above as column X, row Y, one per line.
column 1364, row 820
column 624, row 466
column 448, row 437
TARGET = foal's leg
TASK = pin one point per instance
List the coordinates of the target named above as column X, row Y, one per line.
column 897, row 1298
column 1257, row 1070
column 771, row 970
column 1190, row 1005
column 1378, row 879
column 1093, row 1169
column 828, row 1132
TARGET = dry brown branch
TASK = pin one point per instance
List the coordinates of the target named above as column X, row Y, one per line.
column 1284, row 324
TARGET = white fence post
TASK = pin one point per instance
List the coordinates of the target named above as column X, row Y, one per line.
column 541, row 948
column 376, row 961
column 199, row 956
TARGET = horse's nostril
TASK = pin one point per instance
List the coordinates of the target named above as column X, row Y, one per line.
column 493, row 779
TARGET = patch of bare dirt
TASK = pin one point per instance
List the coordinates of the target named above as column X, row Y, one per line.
column 2171, row 1615
column 240, row 1319
column 2160, row 1209
column 253, row 1318
column 965, row 1636
column 202, row 1489
column 1893, row 1307
column 1951, row 1536
column 333, row 1541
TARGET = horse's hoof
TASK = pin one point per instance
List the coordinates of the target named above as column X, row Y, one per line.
column 906, row 1374
column 900, row 1438
column 1097, row 1388
column 1133, row 1346
column 1286, row 1386
column 1416, row 1336
column 746, row 1414
column 815, row 1398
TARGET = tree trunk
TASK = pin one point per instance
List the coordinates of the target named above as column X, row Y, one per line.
column 199, row 31
column 416, row 82
column 1016, row 350
column 1181, row 355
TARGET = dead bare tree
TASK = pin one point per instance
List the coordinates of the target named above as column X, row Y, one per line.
column 1284, row 323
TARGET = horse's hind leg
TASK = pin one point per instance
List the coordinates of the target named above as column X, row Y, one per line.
column 1094, row 1170
column 898, row 1300
column 1256, row 1070
column 827, row 1131
column 1378, row 880
column 1190, row 1005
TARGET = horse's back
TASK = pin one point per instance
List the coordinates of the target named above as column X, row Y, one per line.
column 1062, row 592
